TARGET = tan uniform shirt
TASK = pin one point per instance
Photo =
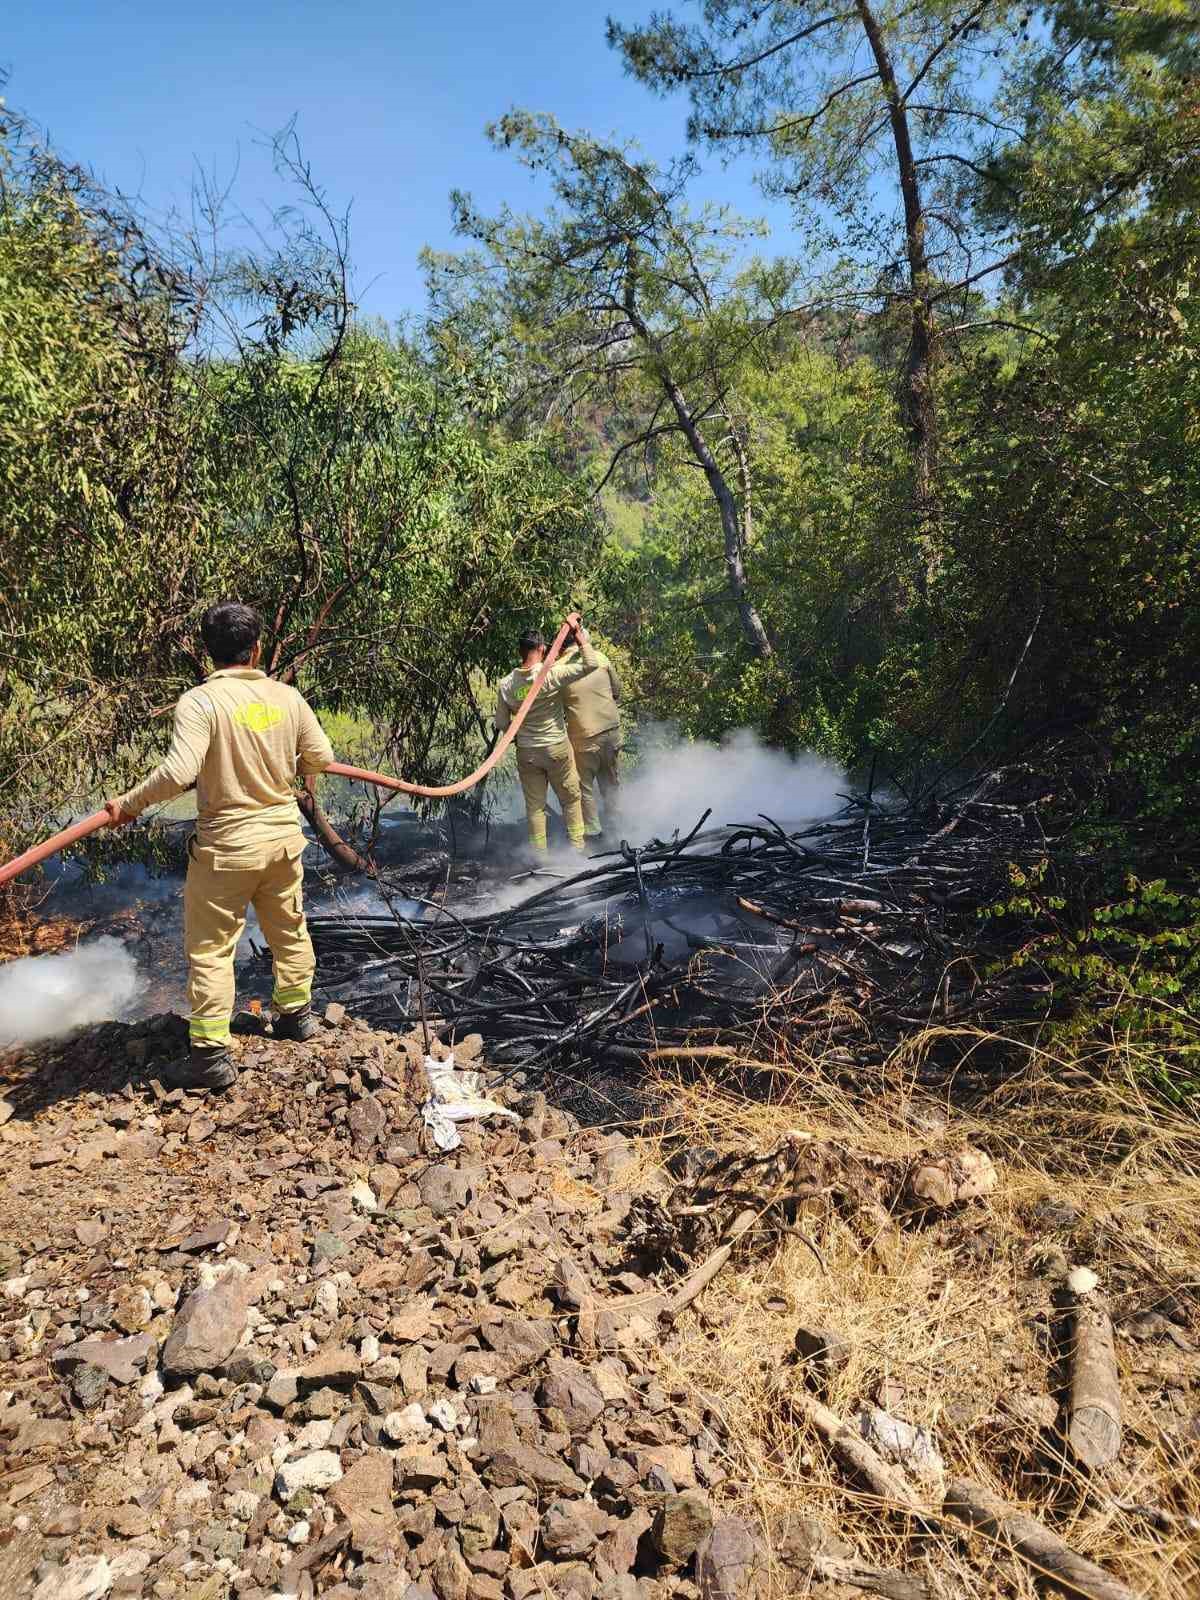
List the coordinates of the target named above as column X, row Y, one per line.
column 590, row 703
column 545, row 726
column 241, row 738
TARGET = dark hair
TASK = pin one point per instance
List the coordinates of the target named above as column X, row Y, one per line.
column 230, row 631
column 530, row 641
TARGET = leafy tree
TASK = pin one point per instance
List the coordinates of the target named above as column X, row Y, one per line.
column 622, row 296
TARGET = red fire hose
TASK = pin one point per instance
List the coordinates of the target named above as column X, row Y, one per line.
column 100, row 819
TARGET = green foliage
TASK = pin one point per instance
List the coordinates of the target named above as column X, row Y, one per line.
column 1126, row 967
column 160, row 452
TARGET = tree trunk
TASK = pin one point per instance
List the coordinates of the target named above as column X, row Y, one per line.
column 916, row 393
column 731, row 528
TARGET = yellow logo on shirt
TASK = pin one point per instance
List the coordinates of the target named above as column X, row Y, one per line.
column 257, row 716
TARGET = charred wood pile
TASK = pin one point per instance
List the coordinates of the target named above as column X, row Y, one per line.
column 734, row 943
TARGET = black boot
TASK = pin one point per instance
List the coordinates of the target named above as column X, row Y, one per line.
column 202, row 1068
column 297, row 1025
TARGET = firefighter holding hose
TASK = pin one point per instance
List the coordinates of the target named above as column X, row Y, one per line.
column 545, row 759
column 242, row 739
column 591, row 707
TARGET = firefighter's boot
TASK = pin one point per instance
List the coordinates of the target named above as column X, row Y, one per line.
column 202, row 1068
column 297, row 1026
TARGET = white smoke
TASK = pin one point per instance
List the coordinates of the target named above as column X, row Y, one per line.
column 674, row 781
column 42, row 996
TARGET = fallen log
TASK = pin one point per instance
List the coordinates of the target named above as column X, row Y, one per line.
column 1094, row 1401
column 889, row 1485
column 1033, row 1542
column 886, row 1581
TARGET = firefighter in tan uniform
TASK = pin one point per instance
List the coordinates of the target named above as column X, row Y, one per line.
column 242, row 739
column 590, row 705
column 544, row 757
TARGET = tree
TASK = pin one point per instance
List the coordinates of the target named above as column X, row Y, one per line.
column 181, row 428
column 623, row 295
column 838, row 95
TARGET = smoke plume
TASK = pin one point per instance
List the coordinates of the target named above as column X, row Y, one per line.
column 41, row 996
column 674, row 782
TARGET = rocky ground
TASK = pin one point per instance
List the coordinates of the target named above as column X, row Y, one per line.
column 276, row 1344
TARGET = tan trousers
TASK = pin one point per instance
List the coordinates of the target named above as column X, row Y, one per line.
column 219, row 888
column 597, row 761
column 551, row 767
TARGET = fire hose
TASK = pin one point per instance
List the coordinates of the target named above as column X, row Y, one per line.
column 101, row 819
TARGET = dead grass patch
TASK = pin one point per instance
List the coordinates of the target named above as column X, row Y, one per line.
column 957, row 1330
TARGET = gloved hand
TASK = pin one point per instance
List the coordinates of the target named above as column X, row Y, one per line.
column 116, row 817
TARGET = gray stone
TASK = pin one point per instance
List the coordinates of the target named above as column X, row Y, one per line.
column 124, row 1360
column 522, row 1465
column 444, row 1189
column 89, row 1385
column 327, row 1247
column 567, row 1530
column 728, row 1561
column 568, row 1390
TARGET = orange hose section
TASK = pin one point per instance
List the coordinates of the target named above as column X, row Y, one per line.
column 99, row 819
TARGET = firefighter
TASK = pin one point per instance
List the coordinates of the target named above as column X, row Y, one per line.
column 594, row 729
column 241, row 739
column 544, row 757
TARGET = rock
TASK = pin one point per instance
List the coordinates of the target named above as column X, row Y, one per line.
column 952, row 1179
column 567, row 1530
column 325, row 1301
column 522, row 1465
column 91, row 1232
column 129, row 1522
column 519, row 1343
column 282, row 1390
column 132, row 1309
column 320, row 1470
column 206, row 1238
column 569, row 1390
column 86, row 1578
column 362, row 1197
column 89, row 1385
column 207, row 1329
column 364, row 1497
column 250, row 1365
column 334, row 1366
column 727, row 1561
column 823, row 1352
column 335, row 1014
column 681, row 1523
column 123, row 1360
column 1082, row 1280
column 407, row 1426
column 420, row 1469
column 327, row 1247
column 444, row 1189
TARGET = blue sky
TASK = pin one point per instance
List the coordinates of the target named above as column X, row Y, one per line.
column 391, row 102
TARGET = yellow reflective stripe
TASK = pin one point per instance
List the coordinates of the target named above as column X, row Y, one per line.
column 299, row 994
column 209, row 1028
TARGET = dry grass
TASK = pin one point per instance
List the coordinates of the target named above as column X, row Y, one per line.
column 961, row 1318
